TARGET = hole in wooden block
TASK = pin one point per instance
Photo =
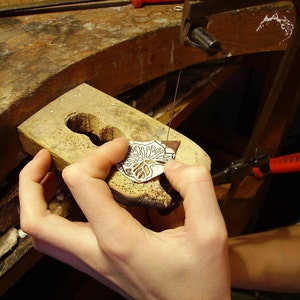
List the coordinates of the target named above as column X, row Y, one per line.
column 89, row 125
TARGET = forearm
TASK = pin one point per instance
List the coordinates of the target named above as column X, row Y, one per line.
column 267, row 261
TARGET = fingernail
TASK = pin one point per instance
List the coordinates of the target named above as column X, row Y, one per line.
column 37, row 155
column 119, row 138
column 174, row 164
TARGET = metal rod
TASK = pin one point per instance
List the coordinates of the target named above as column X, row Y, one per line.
column 40, row 4
column 173, row 104
column 56, row 5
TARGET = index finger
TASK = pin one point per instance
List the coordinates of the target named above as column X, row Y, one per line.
column 97, row 163
column 86, row 181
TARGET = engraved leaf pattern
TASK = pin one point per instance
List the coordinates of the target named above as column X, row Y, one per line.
column 145, row 160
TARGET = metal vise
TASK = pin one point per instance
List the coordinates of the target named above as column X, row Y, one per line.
column 194, row 23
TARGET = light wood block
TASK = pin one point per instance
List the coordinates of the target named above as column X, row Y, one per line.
column 102, row 117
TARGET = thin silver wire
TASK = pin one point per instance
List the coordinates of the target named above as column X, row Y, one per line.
column 173, row 104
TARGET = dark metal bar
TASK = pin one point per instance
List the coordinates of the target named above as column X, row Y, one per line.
column 56, row 6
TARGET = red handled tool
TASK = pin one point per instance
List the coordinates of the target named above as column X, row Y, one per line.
column 259, row 167
column 282, row 164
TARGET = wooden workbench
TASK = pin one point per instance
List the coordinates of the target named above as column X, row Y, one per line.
column 113, row 49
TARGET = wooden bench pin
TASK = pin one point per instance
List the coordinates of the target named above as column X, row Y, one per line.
column 84, row 118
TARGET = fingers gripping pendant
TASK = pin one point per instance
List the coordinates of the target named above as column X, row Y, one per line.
column 145, row 160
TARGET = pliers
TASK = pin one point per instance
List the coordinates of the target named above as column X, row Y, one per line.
column 259, row 167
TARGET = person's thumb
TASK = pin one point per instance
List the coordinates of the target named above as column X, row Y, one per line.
column 194, row 183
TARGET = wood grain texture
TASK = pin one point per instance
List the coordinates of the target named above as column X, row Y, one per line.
column 113, row 49
column 65, row 126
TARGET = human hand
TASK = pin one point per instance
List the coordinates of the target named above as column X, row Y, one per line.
column 187, row 262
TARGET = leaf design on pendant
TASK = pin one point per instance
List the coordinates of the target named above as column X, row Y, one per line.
column 145, row 160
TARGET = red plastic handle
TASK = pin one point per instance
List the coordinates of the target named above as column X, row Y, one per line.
column 140, row 3
column 285, row 164
column 281, row 164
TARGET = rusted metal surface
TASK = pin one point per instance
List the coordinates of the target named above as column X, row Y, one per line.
column 113, row 49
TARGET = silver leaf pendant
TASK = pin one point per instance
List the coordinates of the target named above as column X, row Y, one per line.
column 145, row 160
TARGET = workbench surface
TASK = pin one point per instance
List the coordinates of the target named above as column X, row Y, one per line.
column 43, row 56
column 114, row 49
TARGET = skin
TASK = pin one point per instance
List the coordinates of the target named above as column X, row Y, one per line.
column 267, row 261
column 189, row 261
